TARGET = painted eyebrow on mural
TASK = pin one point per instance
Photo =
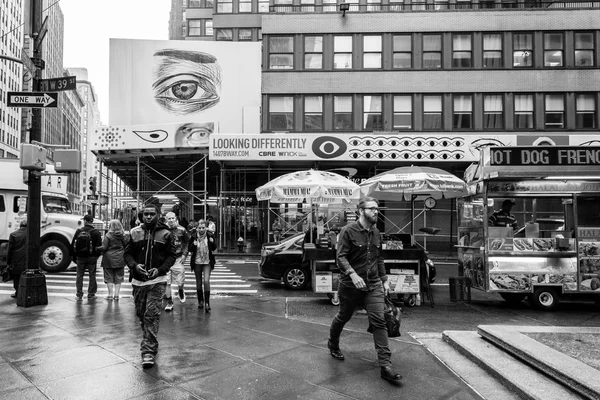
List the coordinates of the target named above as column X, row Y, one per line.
column 186, row 82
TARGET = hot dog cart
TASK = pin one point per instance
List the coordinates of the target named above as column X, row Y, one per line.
column 554, row 252
column 406, row 270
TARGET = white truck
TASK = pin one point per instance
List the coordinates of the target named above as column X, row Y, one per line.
column 58, row 223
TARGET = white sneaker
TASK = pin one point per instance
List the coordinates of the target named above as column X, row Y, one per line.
column 169, row 306
column 181, row 296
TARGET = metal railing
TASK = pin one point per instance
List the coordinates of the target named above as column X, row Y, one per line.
column 436, row 6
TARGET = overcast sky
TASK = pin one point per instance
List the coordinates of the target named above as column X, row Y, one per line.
column 90, row 24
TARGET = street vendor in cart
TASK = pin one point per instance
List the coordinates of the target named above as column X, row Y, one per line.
column 503, row 217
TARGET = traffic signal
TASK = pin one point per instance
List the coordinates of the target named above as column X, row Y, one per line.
column 93, row 185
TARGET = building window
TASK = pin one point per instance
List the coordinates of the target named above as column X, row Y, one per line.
column 372, row 51
column 461, row 51
column 492, row 50
column 307, row 5
column 244, row 34
column 522, row 50
column 584, row 49
column 313, row 52
column 329, row 5
column 432, row 51
column 586, row 111
column 263, row 6
column 463, row 112
column 555, row 111
column 281, row 113
column 281, row 52
column 524, row 111
column 440, row 4
column 245, row 6
column 402, row 112
column 462, row 4
column 225, row 35
column 432, row 112
column 372, row 113
column 194, row 4
column 313, row 113
column 342, row 112
column 224, row 6
column 209, row 27
column 194, row 27
column 373, row 5
column 493, row 112
column 397, row 5
column 283, row 5
column 342, row 52
column 402, row 51
column 553, row 49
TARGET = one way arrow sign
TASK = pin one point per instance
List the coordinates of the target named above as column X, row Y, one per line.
column 32, row 99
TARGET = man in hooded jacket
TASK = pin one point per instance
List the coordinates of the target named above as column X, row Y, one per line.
column 149, row 254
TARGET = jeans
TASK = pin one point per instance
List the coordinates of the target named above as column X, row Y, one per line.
column 89, row 263
column 373, row 301
column 148, row 306
column 202, row 273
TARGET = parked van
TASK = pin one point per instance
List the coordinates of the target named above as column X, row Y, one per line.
column 58, row 223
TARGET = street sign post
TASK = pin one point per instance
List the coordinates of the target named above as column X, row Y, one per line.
column 58, row 84
column 32, row 99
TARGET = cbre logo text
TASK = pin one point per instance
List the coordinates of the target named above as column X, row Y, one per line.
column 329, row 147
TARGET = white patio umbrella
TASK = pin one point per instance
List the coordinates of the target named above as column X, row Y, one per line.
column 412, row 183
column 310, row 186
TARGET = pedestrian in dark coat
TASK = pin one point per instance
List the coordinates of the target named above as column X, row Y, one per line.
column 113, row 258
column 16, row 256
column 202, row 244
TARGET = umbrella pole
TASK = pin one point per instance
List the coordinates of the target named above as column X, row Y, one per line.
column 412, row 219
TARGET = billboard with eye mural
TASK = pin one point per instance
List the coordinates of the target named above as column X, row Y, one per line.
column 163, row 89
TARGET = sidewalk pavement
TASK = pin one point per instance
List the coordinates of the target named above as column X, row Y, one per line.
column 249, row 347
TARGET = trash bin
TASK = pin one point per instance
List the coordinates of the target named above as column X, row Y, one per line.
column 460, row 288
column 32, row 289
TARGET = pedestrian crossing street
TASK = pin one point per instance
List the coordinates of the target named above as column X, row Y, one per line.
column 223, row 282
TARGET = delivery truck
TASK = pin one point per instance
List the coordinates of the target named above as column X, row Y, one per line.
column 58, row 223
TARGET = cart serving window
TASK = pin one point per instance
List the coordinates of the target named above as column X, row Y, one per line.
column 530, row 226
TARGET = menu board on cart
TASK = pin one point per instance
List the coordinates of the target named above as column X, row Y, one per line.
column 408, row 283
column 589, row 264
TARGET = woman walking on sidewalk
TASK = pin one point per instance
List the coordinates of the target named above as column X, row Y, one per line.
column 202, row 261
column 113, row 261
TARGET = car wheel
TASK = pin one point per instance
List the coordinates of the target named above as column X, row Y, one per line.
column 55, row 256
column 295, row 278
column 545, row 299
column 513, row 298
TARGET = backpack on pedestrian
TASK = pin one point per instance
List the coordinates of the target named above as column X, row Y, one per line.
column 83, row 244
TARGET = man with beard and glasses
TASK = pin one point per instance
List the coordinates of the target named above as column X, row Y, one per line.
column 362, row 282
column 149, row 254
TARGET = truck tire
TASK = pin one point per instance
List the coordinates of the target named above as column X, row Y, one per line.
column 54, row 256
column 545, row 299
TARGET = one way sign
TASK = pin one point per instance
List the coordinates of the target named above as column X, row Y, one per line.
column 32, row 99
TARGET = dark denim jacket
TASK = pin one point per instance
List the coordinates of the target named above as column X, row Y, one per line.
column 359, row 250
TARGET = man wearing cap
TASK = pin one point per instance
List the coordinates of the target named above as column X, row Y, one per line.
column 503, row 217
column 86, row 256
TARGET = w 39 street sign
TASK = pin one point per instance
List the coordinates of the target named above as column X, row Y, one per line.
column 58, row 84
column 32, row 99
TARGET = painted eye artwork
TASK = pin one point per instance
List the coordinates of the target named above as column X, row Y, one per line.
column 193, row 134
column 186, row 82
column 155, row 136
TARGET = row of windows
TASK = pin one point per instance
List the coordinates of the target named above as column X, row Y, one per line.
column 204, row 27
column 557, row 49
column 436, row 112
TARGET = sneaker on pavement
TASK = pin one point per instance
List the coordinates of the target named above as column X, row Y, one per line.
column 91, row 296
column 169, row 306
column 147, row 360
column 181, row 296
column 79, row 296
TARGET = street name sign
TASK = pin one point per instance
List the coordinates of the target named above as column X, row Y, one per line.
column 32, row 99
column 92, row 197
column 58, row 84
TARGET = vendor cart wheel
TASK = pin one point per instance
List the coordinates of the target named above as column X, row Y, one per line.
column 412, row 300
column 513, row 298
column 335, row 299
column 545, row 299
